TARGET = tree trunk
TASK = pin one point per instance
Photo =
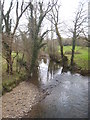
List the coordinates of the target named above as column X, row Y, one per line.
column 7, row 67
column 73, row 51
column 34, row 58
column 10, row 62
column 17, row 63
column 11, row 68
column 60, row 43
column 33, row 62
column 73, row 45
column 62, row 56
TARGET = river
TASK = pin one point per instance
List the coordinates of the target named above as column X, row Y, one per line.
column 67, row 93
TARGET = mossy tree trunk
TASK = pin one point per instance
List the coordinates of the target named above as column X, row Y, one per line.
column 35, row 23
column 73, row 50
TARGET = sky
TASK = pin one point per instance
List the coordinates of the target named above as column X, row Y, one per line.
column 89, row 19
column 67, row 9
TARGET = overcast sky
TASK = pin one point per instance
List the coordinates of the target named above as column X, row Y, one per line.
column 68, row 7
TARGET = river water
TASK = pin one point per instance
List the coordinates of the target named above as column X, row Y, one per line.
column 67, row 93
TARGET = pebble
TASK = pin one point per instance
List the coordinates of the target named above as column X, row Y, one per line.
column 20, row 100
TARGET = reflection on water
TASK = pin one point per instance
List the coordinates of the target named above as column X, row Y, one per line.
column 47, row 70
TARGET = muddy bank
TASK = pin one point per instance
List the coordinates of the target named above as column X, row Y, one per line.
column 80, row 71
column 84, row 72
column 67, row 67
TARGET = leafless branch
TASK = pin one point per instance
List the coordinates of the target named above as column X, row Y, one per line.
column 19, row 16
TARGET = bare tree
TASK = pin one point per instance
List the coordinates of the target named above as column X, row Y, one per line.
column 36, row 14
column 80, row 19
column 55, row 20
column 8, row 34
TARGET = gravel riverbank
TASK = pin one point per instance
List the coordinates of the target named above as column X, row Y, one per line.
column 20, row 100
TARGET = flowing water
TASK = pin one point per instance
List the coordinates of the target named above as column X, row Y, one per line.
column 68, row 93
column 47, row 71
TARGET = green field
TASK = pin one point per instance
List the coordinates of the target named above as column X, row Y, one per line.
column 81, row 55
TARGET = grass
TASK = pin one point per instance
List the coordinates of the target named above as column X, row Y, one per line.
column 11, row 81
column 81, row 56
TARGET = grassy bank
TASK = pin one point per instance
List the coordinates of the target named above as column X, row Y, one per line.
column 81, row 56
column 11, row 81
